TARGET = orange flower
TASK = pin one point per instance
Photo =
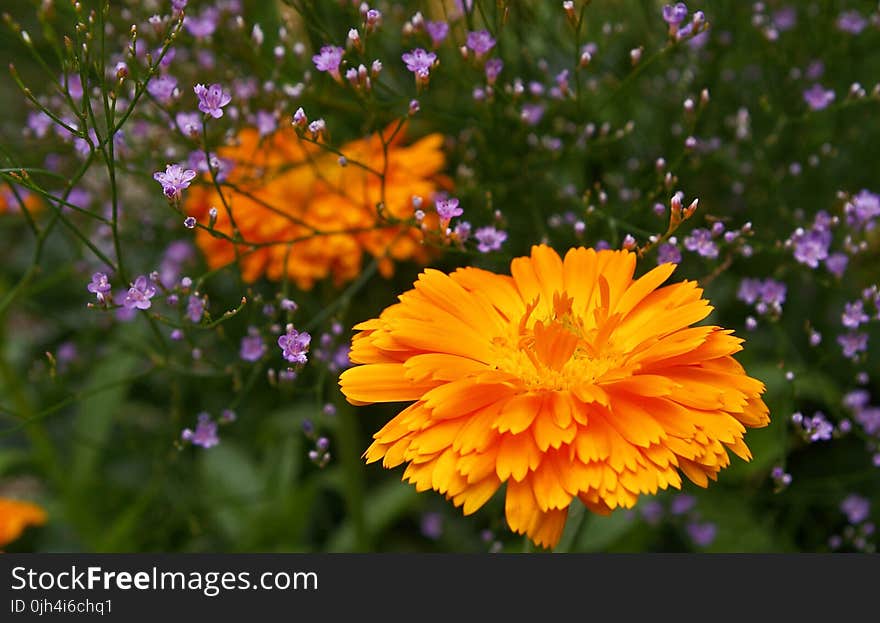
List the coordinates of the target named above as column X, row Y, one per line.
column 568, row 379
column 9, row 203
column 287, row 189
column 15, row 516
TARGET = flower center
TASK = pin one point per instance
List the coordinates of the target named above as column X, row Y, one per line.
column 556, row 352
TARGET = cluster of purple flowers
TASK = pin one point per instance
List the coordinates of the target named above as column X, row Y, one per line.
column 815, row 428
column 767, row 295
column 860, row 530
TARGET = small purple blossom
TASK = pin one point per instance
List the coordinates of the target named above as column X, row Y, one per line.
column 651, row 511
column 682, row 503
column 139, row 294
column 448, row 209
column 174, row 180
column 480, row 41
column 818, row 428
column 700, row 241
column 702, row 534
column 749, row 290
column 853, row 315
column 853, row 343
column 862, row 210
column 856, row 508
column 205, row 434
column 493, row 68
column 811, row 246
column 489, row 239
column 432, row 526
column 532, row 113
column 851, row 22
column 252, row 346
column 818, row 98
column 212, row 99
column 266, row 122
column 328, row 60
column 438, row 31
column 203, row 25
column 190, row 123
column 419, row 62
column 675, row 14
column 195, row 308
column 39, row 123
column 294, row 345
column 163, row 88
column 668, row 253
column 785, row 18
column 221, row 166
column 99, row 286
column 836, row 264
column 869, row 419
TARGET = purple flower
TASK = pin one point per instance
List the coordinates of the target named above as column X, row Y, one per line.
column 682, row 503
column 773, row 293
column 74, row 86
column 190, row 123
column 328, row 59
column 851, row 22
column 675, row 15
column 204, row 25
column 432, row 526
column 489, row 239
column 749, row 290
column 163, row 88
column 199, row 162
column 438, row 31
column 856, row 399
column 817, row 97
column 493, row 68
column 139, row 294
column 853, row 315
column 651, row 511
column 480, row 41
column 818, row 428
column 39, row 123
column 252, row 346
column 856, row 508
column 205, row 434
column 862, row 210
column 814, row 70
column 266, row 122
column 811, row 247
column 448, row 209
column 702, row 534
column 532, row 113
column 785, row 18
column 853, row 343
column 869, row 419
column 700, row 241
column 419, row 62
column 668, row 253
column 99, row 286
column 195, row 308
column 174, row 180
column 836, row 264
column 178, row 5
column 294, row 345
column 212, row 99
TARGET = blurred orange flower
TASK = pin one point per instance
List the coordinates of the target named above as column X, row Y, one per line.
column 15, row 516
column 567, row 379
column 311, row 213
